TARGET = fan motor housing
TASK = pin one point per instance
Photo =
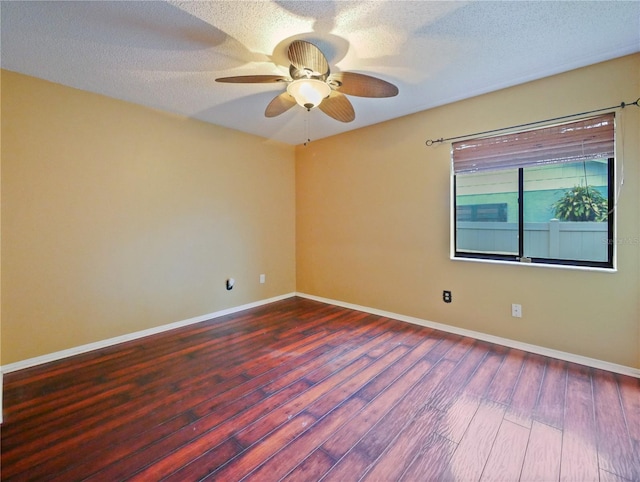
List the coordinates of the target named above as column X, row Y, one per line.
column 297, row 74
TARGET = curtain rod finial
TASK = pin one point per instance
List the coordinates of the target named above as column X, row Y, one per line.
column 636, row 103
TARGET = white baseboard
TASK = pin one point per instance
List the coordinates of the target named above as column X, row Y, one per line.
column 560, row 355
column 39, row 360
column 540, row 350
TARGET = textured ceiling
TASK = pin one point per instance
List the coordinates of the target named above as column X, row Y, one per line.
column 166, row 55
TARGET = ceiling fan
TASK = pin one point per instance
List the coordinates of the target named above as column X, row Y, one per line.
column 311, row 84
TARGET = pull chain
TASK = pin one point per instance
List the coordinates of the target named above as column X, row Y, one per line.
column 306, row 128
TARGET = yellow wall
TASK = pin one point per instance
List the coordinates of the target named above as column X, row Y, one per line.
column 118, row 218
column 373, row 229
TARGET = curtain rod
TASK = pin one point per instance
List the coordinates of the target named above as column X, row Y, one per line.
column 622, row 105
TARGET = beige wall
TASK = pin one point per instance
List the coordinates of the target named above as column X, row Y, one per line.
column 118, row 218
column 373, row 228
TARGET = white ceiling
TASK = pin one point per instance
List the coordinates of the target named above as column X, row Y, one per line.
column 166, row 54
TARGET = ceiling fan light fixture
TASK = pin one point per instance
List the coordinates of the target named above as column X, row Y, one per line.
column 308, row 92
column 310, row 84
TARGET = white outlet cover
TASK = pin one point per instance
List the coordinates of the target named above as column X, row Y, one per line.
column 516, row 310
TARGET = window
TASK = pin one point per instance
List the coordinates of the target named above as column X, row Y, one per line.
column 540, row 196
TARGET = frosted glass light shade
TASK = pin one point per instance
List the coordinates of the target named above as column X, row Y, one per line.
column 308, row 92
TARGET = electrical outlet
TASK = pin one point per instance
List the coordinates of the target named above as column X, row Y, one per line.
column 446, row 296
column 516, row 310
column 263, row 278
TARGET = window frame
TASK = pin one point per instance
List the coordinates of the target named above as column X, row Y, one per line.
column 519, row 258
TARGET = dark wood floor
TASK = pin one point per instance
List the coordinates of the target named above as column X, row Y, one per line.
column 300, row 390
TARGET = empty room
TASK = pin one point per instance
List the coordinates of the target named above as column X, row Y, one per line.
column 320, row 240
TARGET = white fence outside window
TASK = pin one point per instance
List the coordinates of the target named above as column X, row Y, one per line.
column 555, row 239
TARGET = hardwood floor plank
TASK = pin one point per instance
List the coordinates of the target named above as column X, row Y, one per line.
column 544, row 452
column 243, row 464
column 150, row 427
column 525, row 395
column 343, row 439
column 95, row 458
column 382, row 381
column 384, row 431
column 253, row 417
column 263, row 426
column 507, row 454
column 93, row 409
column 189, row 441
column 104, row 383
column 101, row 362
column 397, row 457
column 211, row 415
column 483, row 377
column 447, row 342
column 310, row 469
column 297, row 451
column 629, row 393
column 457, row 418
column 579, row 444
column 213, row 459
column 355, row 387
column 21, row 391
column 83, row 447
column 447, row 391
column 551, row 401
column 352, row 465
column 460, row 349
column 503, row 383
column 326, row 371
column 294, row 369
column 432, row 463
column 615, row 452
column 413, row 379
column 208, row 407
column 469, row 459
column 234, row 393
column 609, row 477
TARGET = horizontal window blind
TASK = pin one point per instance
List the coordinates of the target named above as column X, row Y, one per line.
column 582, row 140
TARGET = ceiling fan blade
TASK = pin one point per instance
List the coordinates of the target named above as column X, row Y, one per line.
column 253, row 79
column 305, row 55
column 338, row 107
column 361, row 85
column 281, row 103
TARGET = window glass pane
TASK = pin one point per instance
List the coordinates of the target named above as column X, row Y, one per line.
column 487, row 212
column 565, row 211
